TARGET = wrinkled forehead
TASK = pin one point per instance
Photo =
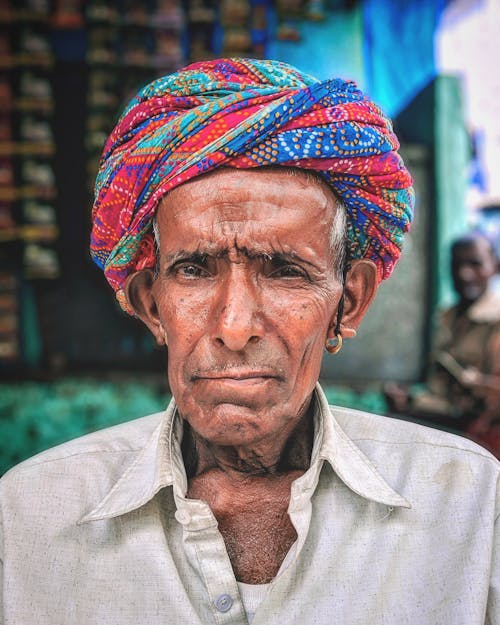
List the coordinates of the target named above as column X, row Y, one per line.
column 256, row 194
column 224, row 179
column 259, row 213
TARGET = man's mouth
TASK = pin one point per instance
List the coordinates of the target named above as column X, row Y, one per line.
column 470, row 290
column 236, row 375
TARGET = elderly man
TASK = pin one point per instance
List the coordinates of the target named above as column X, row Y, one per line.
column 467, row 344
column 463, row 385
column 250, row 499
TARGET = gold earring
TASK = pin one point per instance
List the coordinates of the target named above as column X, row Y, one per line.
column 333, row 346
column 165, row 338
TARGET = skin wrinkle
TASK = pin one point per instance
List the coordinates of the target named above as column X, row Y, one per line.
column 292, row 453
column 338, row 231
column 235, row 254
column 246, row 338
column 213, row 250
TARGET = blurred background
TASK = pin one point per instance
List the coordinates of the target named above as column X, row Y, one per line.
column 70, row 360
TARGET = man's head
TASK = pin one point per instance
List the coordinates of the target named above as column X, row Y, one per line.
column 250, row 277
column 248, row 114
column 472, row 265
column 247, row 291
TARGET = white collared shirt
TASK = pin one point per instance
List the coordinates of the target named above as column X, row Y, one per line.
column 395, row 526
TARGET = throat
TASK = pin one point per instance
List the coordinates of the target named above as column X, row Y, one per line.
column 253, row 519
column 248, row 490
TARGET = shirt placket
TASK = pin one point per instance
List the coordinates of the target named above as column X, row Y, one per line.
column 207, row 553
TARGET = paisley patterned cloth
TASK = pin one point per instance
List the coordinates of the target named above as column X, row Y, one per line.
column 247, row 113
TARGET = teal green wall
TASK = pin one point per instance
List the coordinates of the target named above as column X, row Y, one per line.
column 333, row 47
column 435, row 119
column 451, row 162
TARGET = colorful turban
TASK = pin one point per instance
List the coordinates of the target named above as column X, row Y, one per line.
column 247, row 113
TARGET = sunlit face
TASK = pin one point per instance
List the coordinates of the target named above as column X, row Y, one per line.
column 246, row 292
column 472, row 266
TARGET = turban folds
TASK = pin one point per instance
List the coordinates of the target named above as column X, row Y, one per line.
column 247, row 113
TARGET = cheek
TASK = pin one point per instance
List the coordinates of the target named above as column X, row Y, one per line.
column 308, row 316
column 185, row 319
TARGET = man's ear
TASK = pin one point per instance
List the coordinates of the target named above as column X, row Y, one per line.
column 139, row 293
column 360, row 288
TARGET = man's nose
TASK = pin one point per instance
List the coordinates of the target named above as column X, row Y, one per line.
column 465, row 272
column 239, row 318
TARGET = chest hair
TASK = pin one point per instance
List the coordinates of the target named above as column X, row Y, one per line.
column 253, row 521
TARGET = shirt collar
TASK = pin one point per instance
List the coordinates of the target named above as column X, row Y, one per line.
column 161, row 459
column 350, row 464
column 151, row 471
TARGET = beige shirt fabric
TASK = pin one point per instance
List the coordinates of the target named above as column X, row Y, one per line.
column 395, row 524
column 252, row 595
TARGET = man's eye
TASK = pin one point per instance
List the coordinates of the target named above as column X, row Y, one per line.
column 191, row 271
column 287, row 271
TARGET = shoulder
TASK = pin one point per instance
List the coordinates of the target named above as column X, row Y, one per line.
column 441, row 474
column 408, row 442
column 114, row 447
column 446, row 315
column 55, row 489
column 486, row 309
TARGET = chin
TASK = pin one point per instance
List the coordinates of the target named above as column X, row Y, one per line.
column 230, row 424
column 470, row 293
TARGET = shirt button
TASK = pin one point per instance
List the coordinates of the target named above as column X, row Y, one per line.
column 223, row 603
column 182, row 516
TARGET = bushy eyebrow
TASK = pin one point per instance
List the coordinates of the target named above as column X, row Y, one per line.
column 274, row 256
column 199, row 256
column 195, row 256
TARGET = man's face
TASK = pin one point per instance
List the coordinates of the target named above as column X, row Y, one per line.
column 246, row 292
column 472, row 266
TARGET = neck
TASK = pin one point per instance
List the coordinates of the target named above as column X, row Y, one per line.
column 283, row 452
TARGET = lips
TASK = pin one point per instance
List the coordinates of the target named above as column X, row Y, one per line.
column 239, row 376
column 243, row 387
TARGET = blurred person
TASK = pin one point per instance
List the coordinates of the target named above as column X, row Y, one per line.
column 246, row 213
column 463, row 384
